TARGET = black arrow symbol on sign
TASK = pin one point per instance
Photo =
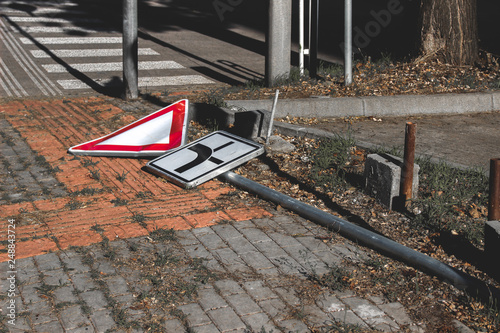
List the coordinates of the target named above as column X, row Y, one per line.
column 203, row 153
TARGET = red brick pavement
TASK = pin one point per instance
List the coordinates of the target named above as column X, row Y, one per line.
column 116, row 208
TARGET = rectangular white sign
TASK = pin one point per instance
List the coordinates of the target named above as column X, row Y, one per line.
column 205, row 158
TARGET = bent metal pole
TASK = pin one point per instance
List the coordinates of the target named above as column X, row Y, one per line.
column 370, row 239
column 494, row 200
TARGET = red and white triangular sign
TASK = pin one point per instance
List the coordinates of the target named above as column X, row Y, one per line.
column 152, row 135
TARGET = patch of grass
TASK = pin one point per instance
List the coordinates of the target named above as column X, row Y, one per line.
column 88, row 162
column 46, row 289
column 86, row 191
column 331, row 159
column 121, row 177
column 162, row 235
column 140, row 218
column 95, row 174
column 74, row 204
column 450, row 198
column 215, row 97
column 96, row 228
column 144, row 195
column 119, row 202
column 164, row 258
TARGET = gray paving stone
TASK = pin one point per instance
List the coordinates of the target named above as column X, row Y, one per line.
column 275, row 308
column 313, row 244
column 314, row 315
column 211, row 241
column 241, row 245
column 186, row 237
column 65, row 294
column 198, row 251
column 211, row 328
column 226, row 319
column 102, row 320
column 82, row 329
column 30, row 293
column 397, row 312
column 363, row 308
column 259, row 322
column 347, row 317
column 73, row 317
column 56, row 277
column 383, row 324
column 173, row 325
column 94, row 299
column 255, row 235
column 329, row 257
column 271, row 249
column 258, row 290
column 288, row 295
column 228, row 287
column 83, row 282
column 42, row 317
column 267, row 224
column 256, row 260
column 284, row 240
column 293, row 326
column 209, row 299
column 195, row 314
column 21, row 326
column 330, row 303
column 228, row 257
column 52, row 326
column 226, row 231
column 243, row 304
column 105, row 267
column 117, row 285
column 73, row 262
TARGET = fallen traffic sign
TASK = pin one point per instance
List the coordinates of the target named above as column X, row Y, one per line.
column 204, row 159
column 152, row 135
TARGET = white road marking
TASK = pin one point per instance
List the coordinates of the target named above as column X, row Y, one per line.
column 143, row 81
column 87, row 53
column 61, row 30
column 73, row 40
column 112, row 66
column 41, row 19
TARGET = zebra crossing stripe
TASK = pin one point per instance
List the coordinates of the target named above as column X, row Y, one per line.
column 142, row 82
column 112, row 66
column 62, row 30
column 41, row 19
column 73, row 40
column 87, row 53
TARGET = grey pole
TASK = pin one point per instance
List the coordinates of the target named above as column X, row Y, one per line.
column 130, row 49
column 279, row 40
column 348, row 42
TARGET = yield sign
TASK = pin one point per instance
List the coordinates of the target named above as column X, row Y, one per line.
column 152, row 135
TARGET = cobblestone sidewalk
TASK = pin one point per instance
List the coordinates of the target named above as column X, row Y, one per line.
column 248, row 276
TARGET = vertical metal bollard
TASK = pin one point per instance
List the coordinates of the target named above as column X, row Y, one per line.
column 494, row 200
column 408, row 162
column 314, row 39
column 130, row 49
column 348, row 42
column 279, row 40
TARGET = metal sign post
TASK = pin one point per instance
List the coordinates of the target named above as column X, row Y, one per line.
column 348, row 42
column 130, row 49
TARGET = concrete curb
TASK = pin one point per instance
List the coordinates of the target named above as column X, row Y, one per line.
column 401, row 105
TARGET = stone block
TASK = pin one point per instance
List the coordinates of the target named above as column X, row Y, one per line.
column 492, row 245
column 383, row 178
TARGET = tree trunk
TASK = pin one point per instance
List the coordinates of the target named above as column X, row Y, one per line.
column 449, row 30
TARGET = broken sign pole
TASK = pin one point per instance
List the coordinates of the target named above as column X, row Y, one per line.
column 271, row 121
column 130, row 50
column 408, row 163
column 494, row 200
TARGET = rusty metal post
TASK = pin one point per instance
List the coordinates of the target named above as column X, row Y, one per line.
column 408, row 163
column 494, row 201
